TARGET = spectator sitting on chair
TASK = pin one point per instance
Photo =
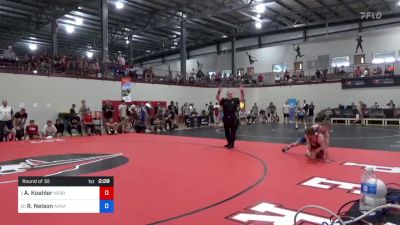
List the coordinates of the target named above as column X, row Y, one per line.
column 286, row 76
column 391, row 105
column 60, row 128
column 254, row 111
column 111, row 127
column 74, row 124
column 32, row 131
column 378, row 71
column 49, row 130
column 88, row 125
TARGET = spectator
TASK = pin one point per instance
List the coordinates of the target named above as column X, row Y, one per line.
column 391, row 105
column 300, row 117
column 140, row 124
column 242, row 117
column 285, row 111
column 260, row 79
column 6, row 115
column 122, row 110
column 306, row 107
column 254, row 111
column 19, row 120
column 88, row 125
column 32, row 131
column 310, row 117
column 108, row 110
column 72, row 111
column 84, row 109
column 74, row 126
column 358, row 72
column 271, row 110
column 60, row 128
column 49, row 130
column 318, row 74
column 286, row 76
column 375, row 106
column 211, row 112
column 278, row 79
column 378, row 71
column 9, row 55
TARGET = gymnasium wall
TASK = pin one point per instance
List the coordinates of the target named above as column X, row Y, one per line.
column 62, row 92
column 277, row 48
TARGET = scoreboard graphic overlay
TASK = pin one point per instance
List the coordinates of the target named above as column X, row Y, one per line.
column 65, row 195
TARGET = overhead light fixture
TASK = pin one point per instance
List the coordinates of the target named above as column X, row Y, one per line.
column 258, row 25
column 89, row 54
column 224, row 36
column 78, row 21
column 260, row 8
column 32, row 47
column 79, row 7
column 258, row 15
column 175, row 43
column 148, row 51
column 70, row 29
column 119, row 5
column 35, row 71
column 32, row 38
column 127, row 42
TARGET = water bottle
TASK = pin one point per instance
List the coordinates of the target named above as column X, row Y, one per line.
column 368, row 190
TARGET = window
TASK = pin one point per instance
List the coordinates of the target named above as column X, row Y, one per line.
column 279, row 68
column 340, row 61
column 383, row 57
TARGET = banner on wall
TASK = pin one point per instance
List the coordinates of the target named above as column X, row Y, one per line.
column 292, row 108
column 126, row 88
column 368, row 82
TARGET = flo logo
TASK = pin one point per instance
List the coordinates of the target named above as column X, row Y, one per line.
column 59, row 165
column 371, row 15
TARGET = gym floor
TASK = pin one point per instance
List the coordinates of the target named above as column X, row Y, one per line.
column 187, row 177
column 371, row 137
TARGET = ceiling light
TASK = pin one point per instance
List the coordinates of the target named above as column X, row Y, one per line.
column 260, row 8
column 148, row 51
column 32, row 47
column 35, row 71
column 119, row 5
column 78, row 21
column 258, row 15
column 89, row 54
column 33, row 38
column 258, row 25
column 398, row 3
column 70, row 29
column 175, row 43
column 79, row 7
column 127, row 42
column 224, row 36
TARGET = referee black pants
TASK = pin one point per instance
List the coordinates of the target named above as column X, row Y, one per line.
column 230, row 126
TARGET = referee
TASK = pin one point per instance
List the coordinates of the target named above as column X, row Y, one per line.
column 230, row 108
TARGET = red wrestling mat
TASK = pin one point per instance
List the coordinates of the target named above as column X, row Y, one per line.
column 178, row 180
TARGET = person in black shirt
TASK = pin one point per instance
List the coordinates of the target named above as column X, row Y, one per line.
column 311, row 113
column 230, row 107
column 108, row 110
column 60, row 128
column 72, row 111
column 74, row 124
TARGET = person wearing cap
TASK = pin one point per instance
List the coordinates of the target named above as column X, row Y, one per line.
column 230, row 107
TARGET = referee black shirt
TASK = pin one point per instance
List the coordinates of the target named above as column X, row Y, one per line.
column 230, row 107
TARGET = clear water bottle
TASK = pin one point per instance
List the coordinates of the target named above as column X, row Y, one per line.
column 368, row 190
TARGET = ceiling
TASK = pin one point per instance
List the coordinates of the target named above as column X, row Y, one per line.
column 155, row 25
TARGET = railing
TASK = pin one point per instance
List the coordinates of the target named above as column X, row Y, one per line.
column 115, row 72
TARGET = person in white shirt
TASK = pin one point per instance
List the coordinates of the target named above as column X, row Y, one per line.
column 49, row 130
column 285, row 111
column 6, row 115
column 122, row 109
column 9, row 54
